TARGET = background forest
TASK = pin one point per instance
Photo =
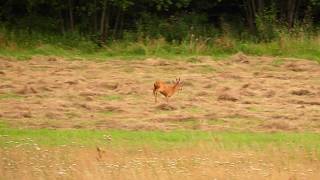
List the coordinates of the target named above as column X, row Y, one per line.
column 108, row 28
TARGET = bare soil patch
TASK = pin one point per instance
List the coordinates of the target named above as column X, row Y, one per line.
column 243, row 93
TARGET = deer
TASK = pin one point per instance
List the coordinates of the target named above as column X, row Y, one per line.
column 166, row 89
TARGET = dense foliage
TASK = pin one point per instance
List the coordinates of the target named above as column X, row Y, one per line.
column 175, row 20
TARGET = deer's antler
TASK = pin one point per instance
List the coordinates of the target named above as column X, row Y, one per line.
column 177, row 80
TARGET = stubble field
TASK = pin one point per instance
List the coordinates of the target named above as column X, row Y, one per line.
column 238, row 95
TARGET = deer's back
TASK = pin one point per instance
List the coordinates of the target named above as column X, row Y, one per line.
column 163, row 88
column 159, row 85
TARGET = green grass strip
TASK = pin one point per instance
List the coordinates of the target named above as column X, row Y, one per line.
column 158, row 139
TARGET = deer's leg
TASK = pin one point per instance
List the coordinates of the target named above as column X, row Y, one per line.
column 167, row 98
column 155, row 93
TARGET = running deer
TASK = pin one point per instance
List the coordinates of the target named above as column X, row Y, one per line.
column 166, row 89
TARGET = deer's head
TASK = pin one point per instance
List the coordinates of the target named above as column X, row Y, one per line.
column 178, row 84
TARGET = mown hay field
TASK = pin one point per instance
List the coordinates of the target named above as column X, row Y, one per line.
column 240, row 118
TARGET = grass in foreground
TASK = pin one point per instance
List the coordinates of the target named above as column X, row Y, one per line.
column 158, row 139
column 71, row 154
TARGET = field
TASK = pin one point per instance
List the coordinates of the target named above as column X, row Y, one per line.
column 243, row 117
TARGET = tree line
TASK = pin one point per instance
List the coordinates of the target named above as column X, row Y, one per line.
column 113, row 19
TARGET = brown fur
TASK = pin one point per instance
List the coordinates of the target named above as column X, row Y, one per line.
column 166, row 89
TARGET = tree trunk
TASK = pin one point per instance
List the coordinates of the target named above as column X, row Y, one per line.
column 62, row 22
column 260, row 8
column 296, row 11
column 95, row 23
column 71, row 20
column 104, row 35
column 104, row 24
column 103, row 16
column 116, row 24
column 283, row 10
column 291, row 12
column 253, row 8
column 121, row 25
column 250, row 15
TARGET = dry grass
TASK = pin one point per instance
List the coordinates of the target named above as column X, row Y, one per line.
column 200, row 162
column 272, row 93
column 240, row 94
